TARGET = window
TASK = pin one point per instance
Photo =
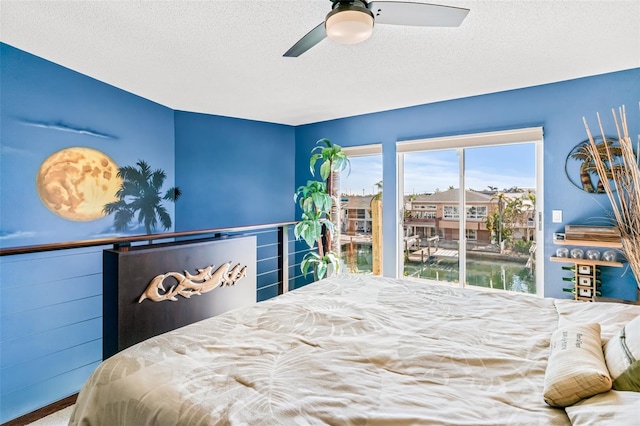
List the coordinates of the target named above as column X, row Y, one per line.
column 473, row 167
column 426, row 207
column 477, row 212
column 450, row 212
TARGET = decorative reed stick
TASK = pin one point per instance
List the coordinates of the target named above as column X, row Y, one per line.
column 620, row 178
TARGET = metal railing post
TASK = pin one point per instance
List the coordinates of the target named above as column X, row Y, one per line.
column 283, row 259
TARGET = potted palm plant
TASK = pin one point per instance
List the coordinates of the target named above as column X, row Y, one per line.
column 318, row 201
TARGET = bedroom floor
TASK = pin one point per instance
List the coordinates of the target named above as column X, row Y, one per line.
column 59, row 418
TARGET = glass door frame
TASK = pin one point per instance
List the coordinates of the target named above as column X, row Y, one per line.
column 459, row 143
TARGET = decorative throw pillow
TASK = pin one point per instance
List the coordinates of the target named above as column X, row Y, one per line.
column 622, row 355
column 576, row 367
column 611, row 408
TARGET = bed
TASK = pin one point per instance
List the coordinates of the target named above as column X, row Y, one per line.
column 350, row 349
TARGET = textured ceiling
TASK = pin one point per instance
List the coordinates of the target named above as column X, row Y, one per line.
column 225, row 57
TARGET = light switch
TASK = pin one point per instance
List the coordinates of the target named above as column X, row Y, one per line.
column 556, row 216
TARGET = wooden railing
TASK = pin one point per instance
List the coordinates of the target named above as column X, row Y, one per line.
column 125, row 241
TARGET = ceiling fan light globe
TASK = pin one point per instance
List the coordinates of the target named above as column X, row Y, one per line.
column 349, row 26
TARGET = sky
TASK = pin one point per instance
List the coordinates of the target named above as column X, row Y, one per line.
column 426, row 172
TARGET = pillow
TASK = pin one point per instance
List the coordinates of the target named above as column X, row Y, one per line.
column 576, row 367
column 611, row 408
column 622, row 355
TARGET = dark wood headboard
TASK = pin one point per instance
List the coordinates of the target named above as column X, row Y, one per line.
column 129, row 317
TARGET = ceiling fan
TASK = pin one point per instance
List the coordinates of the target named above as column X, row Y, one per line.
column 351, row 21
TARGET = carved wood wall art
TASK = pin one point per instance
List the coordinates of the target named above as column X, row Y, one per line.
column 191, row 285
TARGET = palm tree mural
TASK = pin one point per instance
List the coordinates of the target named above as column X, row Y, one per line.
column 587, row 167
column 139, row 198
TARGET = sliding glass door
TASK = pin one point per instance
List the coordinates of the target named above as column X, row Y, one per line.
column 483, row 235
column 501, row 217
column 430, row 240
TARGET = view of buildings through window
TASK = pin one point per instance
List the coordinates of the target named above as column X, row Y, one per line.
column 358, row 189
column 499, row 215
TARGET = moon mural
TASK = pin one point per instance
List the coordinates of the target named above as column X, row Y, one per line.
column 75, row 183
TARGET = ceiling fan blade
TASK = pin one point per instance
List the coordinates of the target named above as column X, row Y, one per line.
column 312, row 38
column 417, row 14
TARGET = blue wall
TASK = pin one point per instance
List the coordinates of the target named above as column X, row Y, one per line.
column 557, row 107
column 44, row 108
column 234, row 172
column 50, row 327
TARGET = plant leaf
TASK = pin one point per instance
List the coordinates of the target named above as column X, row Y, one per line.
column 312, row 163
column 325, row 170
column 310, row 259
column 322, row 270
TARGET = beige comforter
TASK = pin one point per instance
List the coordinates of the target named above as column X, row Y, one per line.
column 348, row 350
